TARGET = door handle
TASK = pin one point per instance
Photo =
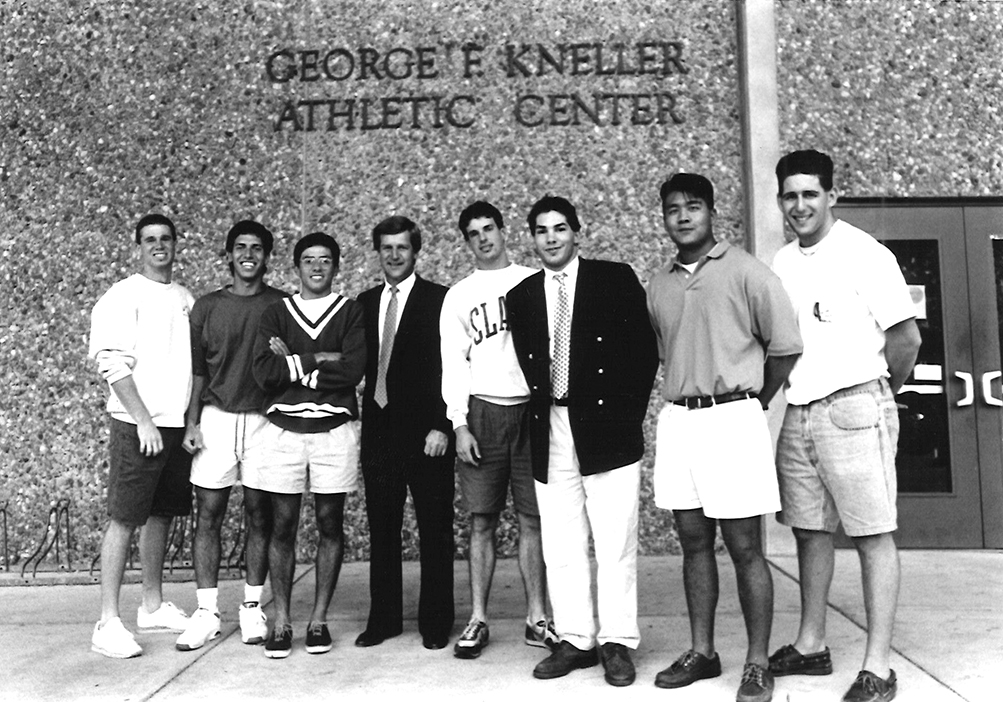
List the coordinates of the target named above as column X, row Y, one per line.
column 969, row 397
column 987, row 388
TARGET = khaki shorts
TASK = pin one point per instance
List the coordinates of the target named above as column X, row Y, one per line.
column 836, row 459
column 232, row 442
column 327, row 461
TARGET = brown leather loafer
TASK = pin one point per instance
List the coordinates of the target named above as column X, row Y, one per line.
column 787, row 660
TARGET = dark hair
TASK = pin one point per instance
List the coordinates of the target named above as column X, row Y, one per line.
column 397, row 224
column 252, row 228
column 478, row 210
column 317, row 239
column 809, row 162
column 552, row 203
column 154, row 219
column 691, row 184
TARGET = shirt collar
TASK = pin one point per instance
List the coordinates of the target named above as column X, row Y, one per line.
column 403, row 287
column 571, row 270
column 717, row 252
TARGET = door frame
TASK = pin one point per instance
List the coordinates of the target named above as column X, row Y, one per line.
column 980, row 218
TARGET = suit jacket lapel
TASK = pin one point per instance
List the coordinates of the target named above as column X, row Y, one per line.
column 581, row 302
column 372, row 315
column 538, row 309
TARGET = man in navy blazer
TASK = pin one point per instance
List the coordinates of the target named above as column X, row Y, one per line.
column 407, row 441
column 584, row 341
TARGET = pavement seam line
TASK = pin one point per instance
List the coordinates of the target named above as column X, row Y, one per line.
column 863, row 628
column 205, row 650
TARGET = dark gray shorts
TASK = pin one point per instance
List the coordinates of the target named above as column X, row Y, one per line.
column 140, row 486
column 502, row 433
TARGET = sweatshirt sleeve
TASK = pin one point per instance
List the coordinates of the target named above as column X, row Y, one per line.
column 455, row 344
column 113, row 335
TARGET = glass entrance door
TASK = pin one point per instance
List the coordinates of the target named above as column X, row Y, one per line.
column 984, row 242
column 938, row 462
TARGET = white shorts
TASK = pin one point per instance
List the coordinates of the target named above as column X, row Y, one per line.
column 328, row 461
column 232, row 445
column 719, row 459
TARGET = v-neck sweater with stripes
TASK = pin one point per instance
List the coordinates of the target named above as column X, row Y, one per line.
column 303, row 396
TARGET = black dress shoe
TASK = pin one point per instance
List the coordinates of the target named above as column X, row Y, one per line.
column 565, row 658
column 687, row 669
column 619, row 668
column 372, row 637
column 434, row 643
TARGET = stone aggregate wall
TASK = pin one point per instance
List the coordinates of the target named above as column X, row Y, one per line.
column 904, row 94
column 112, row 109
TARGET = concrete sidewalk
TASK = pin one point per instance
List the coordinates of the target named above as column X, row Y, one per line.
column 949, row 639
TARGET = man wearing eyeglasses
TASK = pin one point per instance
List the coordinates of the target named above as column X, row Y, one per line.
column 309, row 355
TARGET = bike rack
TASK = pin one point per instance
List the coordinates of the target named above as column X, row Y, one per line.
column 50, row 538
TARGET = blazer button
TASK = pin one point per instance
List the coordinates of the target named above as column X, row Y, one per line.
column 536, row 387
column 600, row 402
column 530, row 356
column 598, row 338
column 600, row 371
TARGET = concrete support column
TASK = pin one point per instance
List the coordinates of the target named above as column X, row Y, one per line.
column 757, row 65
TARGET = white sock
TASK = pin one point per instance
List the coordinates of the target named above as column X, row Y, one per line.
column 252, row 593
column 207, row 598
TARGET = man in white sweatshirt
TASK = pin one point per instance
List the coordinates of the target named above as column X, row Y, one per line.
column 140, row 340
column 486, row 399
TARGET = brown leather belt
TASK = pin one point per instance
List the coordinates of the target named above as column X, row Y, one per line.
column 710, row 400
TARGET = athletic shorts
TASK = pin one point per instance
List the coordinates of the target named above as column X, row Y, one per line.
column 836, row 460
column 719, row 459
column 232, row 445
column 142, row 486
column 327, row 461
column 502, row 433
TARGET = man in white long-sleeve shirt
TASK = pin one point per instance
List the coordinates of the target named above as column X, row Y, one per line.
column 140, row 340
column 486, row 400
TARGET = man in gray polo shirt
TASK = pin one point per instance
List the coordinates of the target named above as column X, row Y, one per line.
column 728, row 337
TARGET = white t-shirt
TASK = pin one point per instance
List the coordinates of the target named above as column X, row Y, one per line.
column 140, row 328
column 478, row 358
column 846, row 290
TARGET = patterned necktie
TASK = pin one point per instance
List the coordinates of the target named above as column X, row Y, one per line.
column 562, row 338
column 386, row 348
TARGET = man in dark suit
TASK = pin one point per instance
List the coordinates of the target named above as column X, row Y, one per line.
column 588, row 351
column 407, row 441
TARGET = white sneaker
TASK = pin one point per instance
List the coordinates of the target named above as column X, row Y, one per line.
column 114, row 640
column 167, row 618
column 203, row 627
column 253, row 626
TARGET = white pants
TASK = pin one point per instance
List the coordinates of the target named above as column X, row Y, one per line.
column 571, row 506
